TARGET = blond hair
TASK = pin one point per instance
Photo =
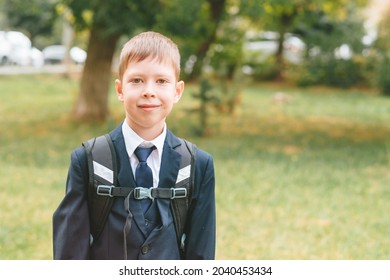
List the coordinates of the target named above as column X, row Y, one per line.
column 149, row 45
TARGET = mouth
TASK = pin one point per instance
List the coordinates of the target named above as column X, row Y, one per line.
column 149, row 107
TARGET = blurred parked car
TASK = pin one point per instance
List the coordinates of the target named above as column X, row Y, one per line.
column 20, row 56
column 78, row 55
column 26, row 57
column 56, row 54
column 16, row 48
column 20, row 48
column 18, row 39
column 36, row 57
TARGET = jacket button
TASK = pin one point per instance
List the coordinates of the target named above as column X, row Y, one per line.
column 145, row 249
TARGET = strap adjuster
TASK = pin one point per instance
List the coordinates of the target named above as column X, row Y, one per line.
column 178, row 193
column 142, row 193
column 104, row 190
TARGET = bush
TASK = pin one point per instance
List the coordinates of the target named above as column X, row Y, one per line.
column 265, row 70
column 383, row 75
column 326, row 70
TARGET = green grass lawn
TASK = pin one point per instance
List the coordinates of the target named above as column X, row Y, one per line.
column 307, row 178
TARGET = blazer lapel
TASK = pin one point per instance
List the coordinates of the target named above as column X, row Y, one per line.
column 169, row 168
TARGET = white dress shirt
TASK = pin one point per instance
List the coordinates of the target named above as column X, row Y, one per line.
column 133, row 140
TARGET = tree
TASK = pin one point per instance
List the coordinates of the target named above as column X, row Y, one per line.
column 193, row 25
column 107, row 21
column 284, row 16
column 216, row 13
column 383, row 42
column 383, row 59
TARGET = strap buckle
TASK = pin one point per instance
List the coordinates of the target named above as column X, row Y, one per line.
column 104, row 190
column 178, row 193
column 142, row 193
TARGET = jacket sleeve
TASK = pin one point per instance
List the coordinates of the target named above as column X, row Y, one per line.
column 201, row 235
column 70, row 220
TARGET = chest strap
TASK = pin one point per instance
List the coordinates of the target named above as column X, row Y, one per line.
column 142, row 193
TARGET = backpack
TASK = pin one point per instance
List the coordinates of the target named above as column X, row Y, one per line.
column 102, row 187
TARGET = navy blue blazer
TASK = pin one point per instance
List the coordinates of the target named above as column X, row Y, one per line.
column 71, row 232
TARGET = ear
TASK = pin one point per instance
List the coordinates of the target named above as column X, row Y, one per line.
column 179, row 90
column 118, row 88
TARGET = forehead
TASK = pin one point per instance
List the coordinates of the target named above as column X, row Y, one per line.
column 150, row 65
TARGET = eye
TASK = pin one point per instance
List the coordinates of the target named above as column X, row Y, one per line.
column 161, row 81
column 136, row 81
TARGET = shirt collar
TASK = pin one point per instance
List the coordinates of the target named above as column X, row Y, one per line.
column 133, row 140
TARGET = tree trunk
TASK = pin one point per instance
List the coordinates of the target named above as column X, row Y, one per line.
column 279, row 59
column 285, row 21
column 92, row 102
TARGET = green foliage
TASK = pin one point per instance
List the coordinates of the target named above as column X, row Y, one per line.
column 383, row 55
column 321, row 30
column 329, row 71
column 35, row 17
column 383, row 41
column 187, row 31
column 225, row 56
column 317, row 22
column 263, row 71
column 114, row 17
column 383, row 75
column 323, row 35
column 206, row 97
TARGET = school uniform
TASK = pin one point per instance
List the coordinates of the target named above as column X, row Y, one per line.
column 152, row 234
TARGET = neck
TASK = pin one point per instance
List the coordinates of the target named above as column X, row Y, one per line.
column 147, row 134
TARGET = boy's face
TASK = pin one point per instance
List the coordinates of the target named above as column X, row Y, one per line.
column 148, row 90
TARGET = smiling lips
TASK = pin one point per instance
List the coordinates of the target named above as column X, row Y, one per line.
column 148, row 107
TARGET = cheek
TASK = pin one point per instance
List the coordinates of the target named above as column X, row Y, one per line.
column 128, row 100
column 168, row 102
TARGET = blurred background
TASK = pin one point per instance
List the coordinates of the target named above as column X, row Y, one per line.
column 291, row 97
column 304, row 42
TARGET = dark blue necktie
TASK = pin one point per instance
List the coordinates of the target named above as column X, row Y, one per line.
column 143, row 173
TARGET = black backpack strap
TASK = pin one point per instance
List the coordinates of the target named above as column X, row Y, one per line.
column 180, row 207
column 102, row 167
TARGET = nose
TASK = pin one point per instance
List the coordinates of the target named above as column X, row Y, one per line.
column 148, row 91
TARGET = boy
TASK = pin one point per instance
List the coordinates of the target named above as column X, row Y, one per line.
column 148, row 86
